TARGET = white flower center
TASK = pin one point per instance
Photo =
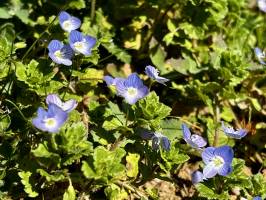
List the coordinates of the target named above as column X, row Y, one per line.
column 66, row 24
column 132, row 91
column 79, row 46
column 218, row 161
column 58, row 54
column 50, row 122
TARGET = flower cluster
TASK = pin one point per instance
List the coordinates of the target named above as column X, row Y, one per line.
column 62, row 53
column 217, row 160
column 132, row 89
column 56, row 115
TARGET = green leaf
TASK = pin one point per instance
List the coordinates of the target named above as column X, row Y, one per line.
column 42, row 152
column 112, row 124
column 5, row 122
column 172, row 158
column 70, row 193
column 208, row 193
column 25, row 180
column 4, row 14
column 118, row 52
column 104, row 165
column 72, row 139
column 91, row 75
column 150, row 110
column 132, row 165
column 157, row 55
column 172, row 128
column 77, row 4
column 53, row 176
column 114, row 192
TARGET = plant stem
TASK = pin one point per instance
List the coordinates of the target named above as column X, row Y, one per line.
column 127, row 116
column 131, row 188
column 20, row 112
column 93, row 3
column 217, row 120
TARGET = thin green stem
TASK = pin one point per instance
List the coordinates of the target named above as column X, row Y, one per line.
column 18, row 109
column 217, row 121
column 127, row 116
column 93, row 4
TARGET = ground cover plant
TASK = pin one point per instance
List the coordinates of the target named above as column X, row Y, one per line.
column 125, row 99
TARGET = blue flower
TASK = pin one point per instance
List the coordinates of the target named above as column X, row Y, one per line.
column 154, row 74
column 218, row 161
column 110, row 80
column 50, row 120
column 132, row 88
column 262, row 5
column 257, row 198
column 65, row 106
column 197, row 177
column 158, row 139
column 60, row 53
column 68, row 22
column 229, row 131
column 81, row 43
column 196, row 141
column 260, row 55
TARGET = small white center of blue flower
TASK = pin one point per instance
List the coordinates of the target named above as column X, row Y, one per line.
column 218, row 161
column 79, row 46
column 58, row 54
column 50, row 122
column 67, row 24
column 132, row 91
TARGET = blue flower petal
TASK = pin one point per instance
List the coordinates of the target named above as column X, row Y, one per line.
column 68, row 22
column 257, row 198
column 198, row 141
column 197, row 177
column 146, row 134
column 209, row 170
column 186, row 132
column 153, row 73
column 91, row 41
column 134, row 81
column 162, row 80
column 56, row 115
column 208, row 154
column 262, row 5
column 75, row 36
column 229, row 131
column 63, row 16
column 80, row 43
column 55, row 45
column 53, row 99
column 225, row 169
column 69, row 105
column 120, row 87
column 165, row 143
column 226, row 152
column 260, row 55
column 143, row 92
column 155, row 143
column 67, row 52
column 58, row 60
column 108, row 80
